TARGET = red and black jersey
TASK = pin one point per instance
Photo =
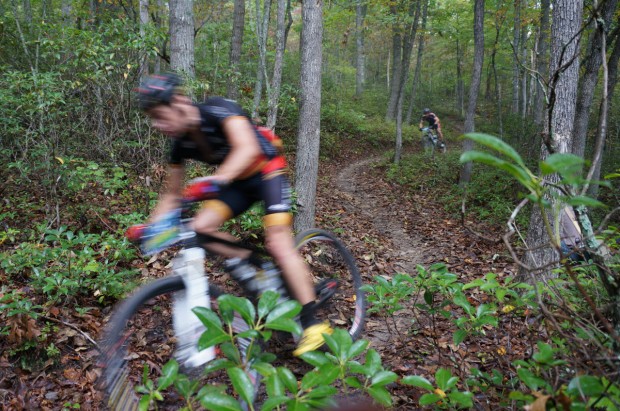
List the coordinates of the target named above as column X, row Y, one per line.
column 213, row 113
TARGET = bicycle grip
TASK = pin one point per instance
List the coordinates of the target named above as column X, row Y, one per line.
column 201, row 190
column 135, row 232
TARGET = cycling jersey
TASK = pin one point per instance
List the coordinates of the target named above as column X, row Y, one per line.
column 264, row 180
column 213, row 113
column 433, row 120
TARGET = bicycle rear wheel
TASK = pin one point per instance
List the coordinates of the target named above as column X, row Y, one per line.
column 140, row 331
column 337, row 280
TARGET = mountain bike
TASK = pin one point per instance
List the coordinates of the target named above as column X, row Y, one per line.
column 430, row 142
column 144, row 319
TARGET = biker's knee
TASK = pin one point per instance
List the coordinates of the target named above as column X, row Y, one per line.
column 211, row 217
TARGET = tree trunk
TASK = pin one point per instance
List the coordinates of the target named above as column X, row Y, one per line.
column 236, row 44
column 587, row 83
column 542, row 63
column 262, row 27
column 474, row 87
column 516, row 38
column 144, row 21
column 564, row 69
column 418, row 64
column 308, row 142
column 360, row 74
column 182, row 37
column 397, row 45
column 612, row 67
column 409, row 40
column 460, row 86
column 274, row 96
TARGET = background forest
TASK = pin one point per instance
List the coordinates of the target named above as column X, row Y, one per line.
column 338, row 81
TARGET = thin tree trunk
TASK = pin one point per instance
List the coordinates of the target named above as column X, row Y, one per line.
column 397, row 61
column 236, row 44
column 460, row 86
column 474, row 87
column 274, row 96
column 182, row 37
column 408, row 49
column 144, row 21
column 418, row 65
column 360, row 74
column 262, row 27
column 516, row 38
column 308, row 142
column 587, row 83
column 542, row 63
column 612, row 69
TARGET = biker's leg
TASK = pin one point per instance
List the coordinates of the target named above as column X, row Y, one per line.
column 280, row 244
column 439, row 133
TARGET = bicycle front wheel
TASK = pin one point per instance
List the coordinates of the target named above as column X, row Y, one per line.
column 337, row 280
column 140, row 331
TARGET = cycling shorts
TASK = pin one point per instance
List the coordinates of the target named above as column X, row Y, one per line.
column 273, row 189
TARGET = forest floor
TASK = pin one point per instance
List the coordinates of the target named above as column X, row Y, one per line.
column 389, row 230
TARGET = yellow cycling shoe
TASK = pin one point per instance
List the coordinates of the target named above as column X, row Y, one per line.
column 312, row 338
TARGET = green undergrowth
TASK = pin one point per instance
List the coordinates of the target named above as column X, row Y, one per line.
column 491, row 195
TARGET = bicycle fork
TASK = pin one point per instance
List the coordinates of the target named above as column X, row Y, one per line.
column 187, row 327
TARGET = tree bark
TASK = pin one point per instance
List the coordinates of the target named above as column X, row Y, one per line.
column 587, row 84
column 236, row 44
column 262, row 28
column 144, row 21
column 409, row 40
column 474, row 87
column 276, row 80
column 308, row 143
column 516, row 38
column 182, row 37
column 542, row 63
column 397, row 60
column 360, row 71
column 564, row 68
column 460, row 86
column 418, row 64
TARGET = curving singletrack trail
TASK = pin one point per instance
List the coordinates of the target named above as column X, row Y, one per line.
column 407, row 249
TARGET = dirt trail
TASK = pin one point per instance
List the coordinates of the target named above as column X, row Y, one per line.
column 407, row 249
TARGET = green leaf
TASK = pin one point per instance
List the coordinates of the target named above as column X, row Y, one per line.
column 284, row 324
column 243, row 306
column 442, row 376
column 544, row 355
column 565, row 164
column 242, row 383
column 273, row 402
column 211, row 337
column 287, row 309
column 264, row 368
column 357, row 348
column 381, row 395
column 383, row 378
column 315, row 358
column 145, row 402
column 459, row 336
column 463, row 399
column 373, row 362
column 323, row 391
column 522, row 175
column 208, row 318
column 353, row 382
column 530, row 379
column 584, row 201
column 217, row 364
column 418, row 381
column 428, row 399
column 217, row 401
column 267, row 302
column 169, row 374
column 498, row 145
column 586, row 385
column 311, row 380
column 289, row 380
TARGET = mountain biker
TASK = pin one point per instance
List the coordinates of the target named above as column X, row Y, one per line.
column 433, row 124
column 249, row 169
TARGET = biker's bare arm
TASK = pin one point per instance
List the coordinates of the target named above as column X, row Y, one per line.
column 172, row 194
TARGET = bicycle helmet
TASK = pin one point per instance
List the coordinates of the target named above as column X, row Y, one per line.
column 426, row 110
column 157, row 89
